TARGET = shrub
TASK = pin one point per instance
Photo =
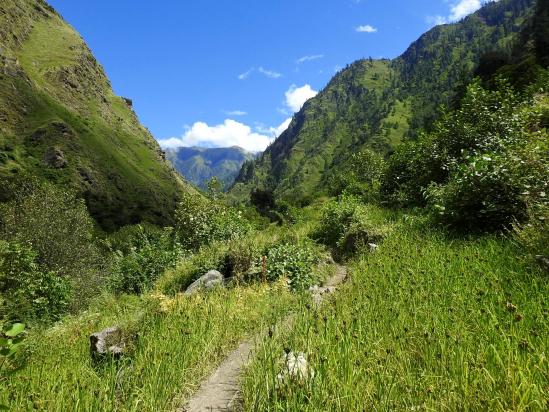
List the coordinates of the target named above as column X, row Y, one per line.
column 336, row 219
column 346, row 225
column 360, row 176
column 534, row 235
column 294, row 261
column 144, row 254
column 55, row 224
column 27, row 292
column 488, row 121
column 241, row 259
column 481, row 165
column 201, row 221
column 487, row 191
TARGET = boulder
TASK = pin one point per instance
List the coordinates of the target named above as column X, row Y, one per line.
column 296, row 368
column 107, row 342
column 55, row 158
column 209, row 281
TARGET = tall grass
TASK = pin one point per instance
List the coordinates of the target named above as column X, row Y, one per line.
column 427, row 323
column 179, row 342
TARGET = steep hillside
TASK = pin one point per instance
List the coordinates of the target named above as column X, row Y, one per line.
column 198, row 164
column 61, row 122
column 377, row 103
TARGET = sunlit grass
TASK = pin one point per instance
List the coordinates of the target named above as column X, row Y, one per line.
column 179, row 342
column 424, row 324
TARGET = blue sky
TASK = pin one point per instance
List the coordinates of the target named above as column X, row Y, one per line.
column 222, row 73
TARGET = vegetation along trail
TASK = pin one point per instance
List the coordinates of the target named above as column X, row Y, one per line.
column 128, row 287
column 221, row 391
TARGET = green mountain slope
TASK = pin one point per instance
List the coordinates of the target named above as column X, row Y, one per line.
column 377, row 103
column 61, row 122
column 198, row 164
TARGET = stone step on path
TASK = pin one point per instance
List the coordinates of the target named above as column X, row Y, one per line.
column 221, row 391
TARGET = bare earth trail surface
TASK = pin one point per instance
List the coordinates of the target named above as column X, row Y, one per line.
column 220, row 392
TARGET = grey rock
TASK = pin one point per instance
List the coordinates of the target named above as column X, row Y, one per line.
column 372, row 247
column 55, row 158
column 209, row 281
column 107, row 342
column 295, row 368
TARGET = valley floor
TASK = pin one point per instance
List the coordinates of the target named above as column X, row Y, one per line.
column 427, row 322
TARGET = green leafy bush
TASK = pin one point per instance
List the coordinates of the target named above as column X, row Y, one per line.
column 336, row 219
column 143, row 253
column 481, row 165
column 489, row 192
column 294, row 261
column 12, row 336
column 346, row 226
column 55, row 224
column 360, row 176
column 26, row 291
column 201, row 221
column 534, row 235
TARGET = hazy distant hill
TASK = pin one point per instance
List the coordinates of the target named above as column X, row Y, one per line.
column 198, row 165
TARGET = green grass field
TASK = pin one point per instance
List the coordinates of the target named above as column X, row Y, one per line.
column 427, row 323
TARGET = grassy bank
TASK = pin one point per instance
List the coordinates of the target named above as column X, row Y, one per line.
column 179, row 342
column 427, row 323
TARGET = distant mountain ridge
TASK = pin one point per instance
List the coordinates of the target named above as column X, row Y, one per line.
column 378, row 103
column 61, row 122
column 199, row 164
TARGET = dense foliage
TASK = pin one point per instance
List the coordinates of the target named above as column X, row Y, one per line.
column 27, row 292
column 141, row 254
column 346, row 226
column 294, row 262
column 360, row 176
column 57, row 227
column 480, row 166
column 201, row 221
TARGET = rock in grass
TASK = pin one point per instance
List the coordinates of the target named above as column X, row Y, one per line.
column 209, row 281
column 543, row 261
column 107, row 342
column 372, row 247
column 55, row 158
column 296, row 368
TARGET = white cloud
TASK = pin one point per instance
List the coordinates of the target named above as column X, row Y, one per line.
column 436, row 20
column 366, row 29
column 235, row 113
column 233, row 133
column 274, row 131
column 297, row 96
column 269, row 73
column 277, row 131
column 230, row 133
column 458, row 10
column 309, row 58
column 246, row 74
column 463, row 8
